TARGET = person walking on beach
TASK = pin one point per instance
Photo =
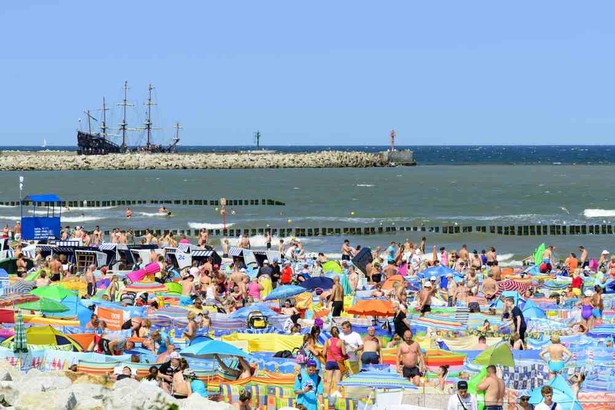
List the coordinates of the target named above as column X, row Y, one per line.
column 517, row 317
column 90, row 280
column 547, row 400
column 583, row 259
column 337, row 298
column 309, row 387
column 335, row 353
column 347, row 250
column 409, row 361
column 424, row 298
column 353, row 346
column 556, row 352
column 494, row 389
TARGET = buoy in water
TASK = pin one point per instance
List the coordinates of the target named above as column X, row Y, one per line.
column 351, row 212
column 290, row 221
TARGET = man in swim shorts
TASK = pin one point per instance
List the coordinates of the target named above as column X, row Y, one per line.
column 410, row 360
column 556, row 352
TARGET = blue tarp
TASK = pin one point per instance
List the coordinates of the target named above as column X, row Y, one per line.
column 43, row 198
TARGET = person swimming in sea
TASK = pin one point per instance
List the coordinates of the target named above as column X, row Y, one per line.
column 165, row 210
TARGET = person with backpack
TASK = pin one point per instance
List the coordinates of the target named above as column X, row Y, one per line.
column 309, row 387
column 462, row 400
column 547, row 400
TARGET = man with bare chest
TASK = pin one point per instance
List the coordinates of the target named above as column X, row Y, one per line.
column 410, row 362
column 494, row 389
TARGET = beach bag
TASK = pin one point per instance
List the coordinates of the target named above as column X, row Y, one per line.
column 284, row 354
column 256, row 320
column 301, row 356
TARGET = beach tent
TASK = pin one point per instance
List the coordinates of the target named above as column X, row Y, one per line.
column 499, row 304
column 377, row 380
column 46, row 336
column 43, row 305
column 362, row 258
column 498, row 354
column 285, row 291
column 331, row 266
column 531, row 311
column 321, row 282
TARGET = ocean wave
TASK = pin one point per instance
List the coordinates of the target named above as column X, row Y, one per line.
column 8, row 206
column 154, row 214
column 10, row 218
column 365, row 185
column 88, row 208
column 81, row 218
column 198, row 225
column 598, row 213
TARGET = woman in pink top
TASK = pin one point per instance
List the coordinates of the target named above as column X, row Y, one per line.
column 335, row 353
column 254, row 290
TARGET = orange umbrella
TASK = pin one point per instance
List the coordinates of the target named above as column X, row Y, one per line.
column 388, row 284
column 373, row 307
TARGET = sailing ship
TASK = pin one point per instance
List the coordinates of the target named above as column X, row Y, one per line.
column 100, row 143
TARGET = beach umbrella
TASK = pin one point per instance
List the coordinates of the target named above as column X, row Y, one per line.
column 47, row 336
column 20, row 344
column 562, row 394
column 321, row 282
column 209, row 348
column 497, row 354
column 377, row 380
column 388, row 284
column 437, row 271
column 285, row 291
column 150, row 287
column 538, row 252
column 372, row 307
column 173, row 287
column 52, row 292
column 243, row 312
column 331, row 266
column 531, row 311
column 43, row 305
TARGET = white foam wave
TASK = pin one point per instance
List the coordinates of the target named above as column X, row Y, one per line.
column 10, row 218
column 8, row 206
column 506, row 257
column 598, row 213
column 198, row 225
column 153, row 214
column 365, row 185
column 88, row 208
column 80, row 218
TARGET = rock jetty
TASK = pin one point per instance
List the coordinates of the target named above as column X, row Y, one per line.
column 78, row 391
column 63, row 161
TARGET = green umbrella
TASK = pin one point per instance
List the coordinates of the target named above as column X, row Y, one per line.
column 497, row 354
column 44, row 305
column 19, row 341
column 331, row 266
column 53, row 292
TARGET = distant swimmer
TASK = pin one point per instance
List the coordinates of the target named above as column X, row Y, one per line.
column 565, row 210
column 164, row 210
column 128, row 213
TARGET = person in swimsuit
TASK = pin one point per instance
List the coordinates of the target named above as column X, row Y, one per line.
column 410, row 361
column 335, row 353
column 586, row 309
column 556, row 352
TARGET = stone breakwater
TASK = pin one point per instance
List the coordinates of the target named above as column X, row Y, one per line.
column 77, row 391
column 58, row 161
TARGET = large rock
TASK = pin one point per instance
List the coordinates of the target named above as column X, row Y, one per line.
column 57, row 399
column 130, row 394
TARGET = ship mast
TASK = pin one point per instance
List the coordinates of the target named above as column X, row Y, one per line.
column 124, row 124
column 103, row 125
column 148, row 121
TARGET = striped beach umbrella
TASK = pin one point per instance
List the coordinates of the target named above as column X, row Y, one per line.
column 19, row 341
column 377, row 380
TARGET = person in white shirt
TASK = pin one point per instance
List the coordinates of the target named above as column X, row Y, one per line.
column 353, row 344
column 462, row 400
column 547, row 400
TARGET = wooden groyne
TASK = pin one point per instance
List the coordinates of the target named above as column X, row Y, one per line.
column 511, row 230
column 99, row 203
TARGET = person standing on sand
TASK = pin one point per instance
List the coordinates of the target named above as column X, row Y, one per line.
column 347, row 250
column 556, row 352
column 337, row 298
column 584, row 259
column 494, row 389
column 410, row 362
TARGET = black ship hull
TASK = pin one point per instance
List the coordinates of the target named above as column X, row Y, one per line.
column 94, row 144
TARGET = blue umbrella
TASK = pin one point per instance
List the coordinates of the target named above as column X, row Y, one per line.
column 258, row 307
column 209, row 348
column 317, row 282
column 285, row 291
column 562, row 394
column 437, row 271
column 530, row 310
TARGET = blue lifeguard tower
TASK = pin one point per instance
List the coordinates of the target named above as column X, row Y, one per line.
column 47, row 223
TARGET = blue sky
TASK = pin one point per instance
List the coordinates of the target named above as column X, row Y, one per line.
column 318, row 72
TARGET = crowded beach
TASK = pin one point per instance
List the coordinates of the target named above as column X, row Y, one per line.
column 402, row 326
